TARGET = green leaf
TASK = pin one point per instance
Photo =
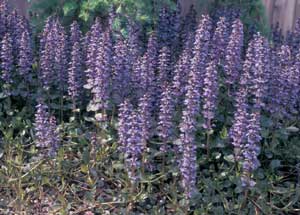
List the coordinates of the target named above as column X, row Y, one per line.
column 229, row 158
column 69, row 7
column 86, row 156
column 275, row 164
column 292, row 129
column 84, row 168
column 224, row 133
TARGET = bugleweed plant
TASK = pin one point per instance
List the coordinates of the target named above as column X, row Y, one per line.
column 191, row 121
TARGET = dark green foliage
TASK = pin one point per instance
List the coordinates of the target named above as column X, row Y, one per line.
column 85, row 11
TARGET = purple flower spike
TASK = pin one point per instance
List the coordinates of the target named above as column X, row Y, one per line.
column 257, row 89
column 76, row 34
column 125, row 111
column 101, row 88
column 53, row 59
column 152, row 52
column 46, row 133
column 238, row 130
column 188, row 125
column 180, row 78
column 144, row 111
column 93, row 41
column 164, row 68
column 129, row 131
column 166, row 124
column 41, row 126
column 233, row 56
column 25, row 56
column 122, row 75
column 144, row 77
column 75, row 76
column 4, row 11
column 60, row 59
column 210, row 94
column 46, row 73
column 54, row 136
column 219, row 41
column 7, row 59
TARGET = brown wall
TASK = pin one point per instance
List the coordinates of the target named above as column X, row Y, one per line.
column 285, row 12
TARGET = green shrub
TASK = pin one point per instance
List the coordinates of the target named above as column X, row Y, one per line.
column 84, row 11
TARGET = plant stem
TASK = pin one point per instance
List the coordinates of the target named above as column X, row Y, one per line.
column 207, row 145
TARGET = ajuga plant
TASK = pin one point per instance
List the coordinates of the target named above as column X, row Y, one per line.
column 190, row 118
column 46, row 133
column 188, row 126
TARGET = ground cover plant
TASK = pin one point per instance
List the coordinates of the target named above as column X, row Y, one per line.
column 192, row 119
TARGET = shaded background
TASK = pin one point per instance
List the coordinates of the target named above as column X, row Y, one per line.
column 285, row 12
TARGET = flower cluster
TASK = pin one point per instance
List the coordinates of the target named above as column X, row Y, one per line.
column 46, row 133
column 188, row 127
column 130, row 139
column 234, row 53
column 7, row 62
column 210, row 95
column 166, row 123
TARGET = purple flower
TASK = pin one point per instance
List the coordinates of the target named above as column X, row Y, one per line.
column 129, row 131
column 294, row 78
column 283, row 82
column 233, row 56
column 152, row 64
column 60, row 59
column 53, row 58
column 145, row 116
column 210, row 95
column 101, row 80
column 259, row 71
column 46, row 73
column 41, row 126
column 152, row 52
column 125, row 111
column 134, row 46
column 257, row 90
column 7, row 59
column 75, row 34
column 188, row 125
column 251, row 149
column 164, row 68
column 201, row 49
column 13, row 19
column 54, row 136
column 165, row 123
column 288, row 81
column 25, row 56
column 46, row 133
column 219, row 41
column 75, row 75
column 92, row 42
column 143, row 77
column 122, row 75
column 237, row 133
column 44, row 35
column 180, row 78
column 4, row 11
